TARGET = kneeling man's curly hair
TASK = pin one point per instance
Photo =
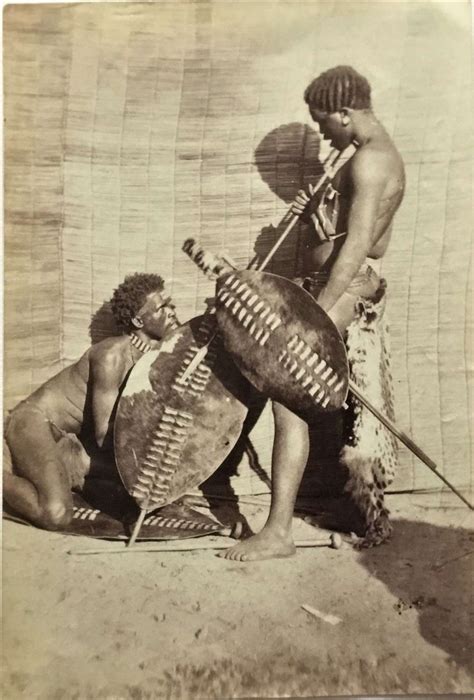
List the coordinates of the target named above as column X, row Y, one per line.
column 131, row 294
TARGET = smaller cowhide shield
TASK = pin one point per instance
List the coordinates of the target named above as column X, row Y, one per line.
column 173, row 522
column 170, row 436
column 282, row 341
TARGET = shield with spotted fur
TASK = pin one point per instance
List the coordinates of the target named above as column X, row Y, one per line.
column 282, row 341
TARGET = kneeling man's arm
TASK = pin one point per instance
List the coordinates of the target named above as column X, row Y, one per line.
column 107, row 376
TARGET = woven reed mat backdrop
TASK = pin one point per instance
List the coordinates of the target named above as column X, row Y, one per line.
column 130, row 127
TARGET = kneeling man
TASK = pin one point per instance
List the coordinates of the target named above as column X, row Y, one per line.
column 48, row 460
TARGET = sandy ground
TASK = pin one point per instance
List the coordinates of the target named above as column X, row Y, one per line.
column 192, row 625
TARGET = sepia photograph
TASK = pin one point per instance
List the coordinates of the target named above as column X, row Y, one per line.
column 237, row 349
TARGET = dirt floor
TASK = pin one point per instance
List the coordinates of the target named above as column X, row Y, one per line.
column 192, row 625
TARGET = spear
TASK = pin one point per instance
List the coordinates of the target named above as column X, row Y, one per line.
column 189, row 247
column 210, row 262
column 405, row 439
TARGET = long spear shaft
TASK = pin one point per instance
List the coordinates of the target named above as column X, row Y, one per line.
column 407, row 441
column 399, row 434
column 294, row 219
column 330, row 164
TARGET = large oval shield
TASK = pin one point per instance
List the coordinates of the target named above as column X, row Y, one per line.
column 282, row 341
column 170, row 436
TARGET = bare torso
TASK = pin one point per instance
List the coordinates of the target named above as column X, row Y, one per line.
column 65, row 398
column 322, row 255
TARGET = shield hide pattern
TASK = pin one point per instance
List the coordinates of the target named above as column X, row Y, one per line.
column 169, row 437
column 282, row 341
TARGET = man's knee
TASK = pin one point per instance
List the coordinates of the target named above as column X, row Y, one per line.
column 55, row 515
column 75, row 459
column 281, row 414
column 284, row 419
column 7, row 465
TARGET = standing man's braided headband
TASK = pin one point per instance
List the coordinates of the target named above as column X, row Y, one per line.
column 337, row 88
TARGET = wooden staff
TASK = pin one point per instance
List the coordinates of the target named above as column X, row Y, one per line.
column 334, row 541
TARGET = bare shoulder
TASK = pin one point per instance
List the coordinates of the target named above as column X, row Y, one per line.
column 377, row 163
column 111, row 354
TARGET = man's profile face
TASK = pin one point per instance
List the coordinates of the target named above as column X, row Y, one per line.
column 331, row 128
column 158, row 315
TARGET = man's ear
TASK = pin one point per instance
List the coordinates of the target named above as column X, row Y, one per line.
column 137, row 321
column 345, row 116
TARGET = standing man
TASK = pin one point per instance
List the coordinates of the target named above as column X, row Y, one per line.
column 352, row 221
column 48, row 460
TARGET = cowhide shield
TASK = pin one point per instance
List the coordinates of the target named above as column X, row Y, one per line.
column 172, row 522
column 282, row 341
column 169, row 437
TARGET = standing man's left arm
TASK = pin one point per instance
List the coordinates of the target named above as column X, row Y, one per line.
column 368, row 182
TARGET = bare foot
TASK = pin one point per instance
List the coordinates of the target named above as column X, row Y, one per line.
column 265, row 545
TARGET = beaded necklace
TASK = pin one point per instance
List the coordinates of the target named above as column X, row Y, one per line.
column 139, row 344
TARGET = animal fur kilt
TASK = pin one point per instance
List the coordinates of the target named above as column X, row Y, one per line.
column 369, row 449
